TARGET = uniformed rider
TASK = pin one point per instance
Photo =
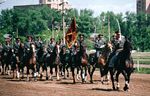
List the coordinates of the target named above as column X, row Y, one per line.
column 38, row 44
column 7, row 48
column 16, row 46
column 50, row 47
column 99, row 46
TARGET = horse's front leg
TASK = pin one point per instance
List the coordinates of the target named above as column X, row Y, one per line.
column 51, row 72
column 64, row 70
column 34, row 69
column 57, row 70
column 27, row 73
column 112, row 78
column 82, row 74
column 72, row 69
column 78, row 73
column 126, row 88
column 85, row 74
column 91, row 75
column 101, row 76
column 117, row 79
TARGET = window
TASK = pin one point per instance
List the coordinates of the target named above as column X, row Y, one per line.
column 49, row 0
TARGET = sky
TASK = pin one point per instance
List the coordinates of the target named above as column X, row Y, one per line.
column 98, row 6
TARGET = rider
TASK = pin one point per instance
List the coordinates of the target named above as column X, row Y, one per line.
column 50, row 47
column 99, row 46
column 16, row 46
column 114, row 41
column 81, row 42
column 61, row 43
column 7, row 48
column 38, row 43
column 27, row 46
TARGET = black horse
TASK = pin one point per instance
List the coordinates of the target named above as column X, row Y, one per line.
column 65, row 60
column 124, row 64
column 17, row 60
column 40, row 55
column 8, row 61
column 54, row 61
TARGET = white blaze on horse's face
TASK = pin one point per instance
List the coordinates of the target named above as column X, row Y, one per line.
column 12, row 50
column 33, row 48
column 58, row 48
column 110, row 46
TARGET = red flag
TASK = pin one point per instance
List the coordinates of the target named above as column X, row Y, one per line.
column 71, row 34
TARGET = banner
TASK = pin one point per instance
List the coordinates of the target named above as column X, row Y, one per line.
column 71, row 34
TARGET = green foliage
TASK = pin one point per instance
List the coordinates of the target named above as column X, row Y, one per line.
column 39, row 21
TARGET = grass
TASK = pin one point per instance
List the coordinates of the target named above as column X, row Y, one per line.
column 143, row 70
column 142, row 62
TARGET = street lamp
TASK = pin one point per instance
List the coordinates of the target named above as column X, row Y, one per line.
column 108, row 27
column 119, row 28
column 63, row 14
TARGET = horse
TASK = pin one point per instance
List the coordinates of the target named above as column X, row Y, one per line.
column 17, row 59
column 124, row 64
column 8, row 60
column 40, row 55
column 83, row 62
column 53, row 61
column 1, row 61
column 64, row 55
column 30, row 61
column 101, row 61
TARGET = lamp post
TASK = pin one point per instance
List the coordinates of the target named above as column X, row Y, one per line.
column 63, row 15
column 119, row 28
column 2, row 1
column 108, row 27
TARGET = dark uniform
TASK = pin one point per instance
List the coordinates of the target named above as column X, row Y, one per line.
column 98, row 46
column 1, row 48
column 16, row 46
column 50, row 48
column 6, row 49
column 27, row 47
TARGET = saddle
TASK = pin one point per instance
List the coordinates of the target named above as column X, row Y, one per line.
column 112, row 61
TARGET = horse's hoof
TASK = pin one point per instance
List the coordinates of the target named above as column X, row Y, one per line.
column 2, row 73
column 74, row 82
column 35, row 80
column 102, row 82
column 65, row 78
column 114, row 88
column 41, row 77
column 51, row 79
column 128, row 90
column 117, row 88
column 91, row 81
column 67, row 75
column 46, row 78
column 124, row 88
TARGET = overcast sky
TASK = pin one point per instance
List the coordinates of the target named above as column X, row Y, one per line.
column 97, row 6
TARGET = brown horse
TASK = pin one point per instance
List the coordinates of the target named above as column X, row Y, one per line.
column 83, row 62
column 17, row 59
column 101, row 61
column 53, row 61
column 1, row 60
column 30, row 61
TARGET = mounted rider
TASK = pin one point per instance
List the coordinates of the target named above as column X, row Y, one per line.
column 51, row 47
column 99, row 46
column 27, row 46
column 16, row 47
column 38, row 44
column 7, row 47
column 1, row 57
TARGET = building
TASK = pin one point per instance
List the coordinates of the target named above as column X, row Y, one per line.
column 50, row 4
column 143, row 5
column 55, row 3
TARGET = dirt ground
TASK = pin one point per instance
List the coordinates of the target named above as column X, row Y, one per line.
column 139, row 86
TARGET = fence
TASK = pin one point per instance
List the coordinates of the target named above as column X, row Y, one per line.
column 138, row 63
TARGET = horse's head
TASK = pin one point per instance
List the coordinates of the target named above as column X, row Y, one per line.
column 82, row 48
column 128, row 45
column 107, row 48
column 57, row 48
column 32, row 47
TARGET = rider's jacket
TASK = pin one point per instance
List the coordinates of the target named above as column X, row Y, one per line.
column 61, row 45
column 1, row 48
column 50, row 47
column 6, row 49
column 27, row 46
column 37, row 45
column 16, row 47
column 99, row 44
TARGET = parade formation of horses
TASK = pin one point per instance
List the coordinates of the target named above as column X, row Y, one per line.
column 30, row 62
column 125, row 64
column 101, row 61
